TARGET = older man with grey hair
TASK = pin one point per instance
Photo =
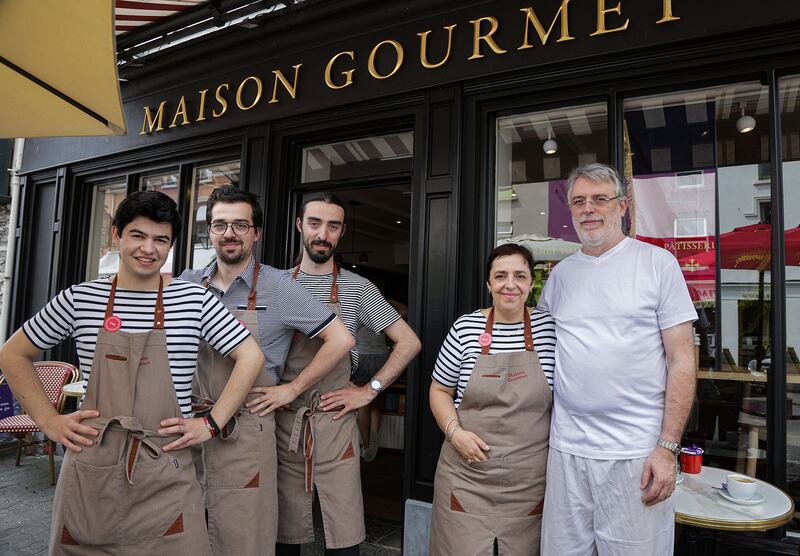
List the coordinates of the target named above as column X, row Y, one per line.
column 624, row 382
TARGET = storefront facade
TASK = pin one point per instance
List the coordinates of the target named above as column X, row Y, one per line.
column 451, row 127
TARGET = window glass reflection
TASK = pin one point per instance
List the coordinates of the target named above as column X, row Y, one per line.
column 535, row 154
column 368, row 156
column 685, row 155
column 103, row 257
column 790, row 129
column 206, row 179
column 167, row 183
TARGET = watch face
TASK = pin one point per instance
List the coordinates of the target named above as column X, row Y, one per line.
column 376, row 385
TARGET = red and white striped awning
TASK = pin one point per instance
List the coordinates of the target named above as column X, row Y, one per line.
column 133, row 14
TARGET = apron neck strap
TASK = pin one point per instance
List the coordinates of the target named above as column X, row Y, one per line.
column 334, row 296
column 251, row 297
column 158, row 316
column 526, row 320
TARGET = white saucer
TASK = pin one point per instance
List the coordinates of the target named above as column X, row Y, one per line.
column 679, row 479
column 756, row 499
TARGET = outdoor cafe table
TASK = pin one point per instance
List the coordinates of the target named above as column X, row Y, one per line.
column 698, row 504
column 74, row 389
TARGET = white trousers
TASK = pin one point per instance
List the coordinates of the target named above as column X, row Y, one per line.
column 595, row 507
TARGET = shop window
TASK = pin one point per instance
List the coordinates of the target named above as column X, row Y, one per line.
column 206, row 178
column 357, row 158
column 535, row 154
column 709, row 148
column 790, row 128
column 103, row 259
column 167, row 183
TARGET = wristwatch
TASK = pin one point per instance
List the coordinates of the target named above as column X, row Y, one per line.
column 376, row 385
column 673, row 447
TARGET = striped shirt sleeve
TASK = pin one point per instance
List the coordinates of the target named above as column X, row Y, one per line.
column 53, row 323
column 299, row 310
column 447, row 369
column 375, row 312
column 219, row 327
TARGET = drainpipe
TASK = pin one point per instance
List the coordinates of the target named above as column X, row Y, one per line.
column 11, row 248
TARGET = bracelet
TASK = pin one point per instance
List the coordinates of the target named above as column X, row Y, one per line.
column 213, row 423
column 452, row 432
column 209, row 427
column 450, row 422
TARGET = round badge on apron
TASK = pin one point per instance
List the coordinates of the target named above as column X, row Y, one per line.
column 507, row 403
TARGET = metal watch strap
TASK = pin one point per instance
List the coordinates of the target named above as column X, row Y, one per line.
column 673, row 447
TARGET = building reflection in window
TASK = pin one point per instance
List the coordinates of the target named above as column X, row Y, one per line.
column 206, row 179
column 103, row 259
column 167, row 183
column 688, row 154
column 790, row 129
column 535, row 154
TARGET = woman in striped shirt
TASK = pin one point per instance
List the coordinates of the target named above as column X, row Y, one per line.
column 491, row 396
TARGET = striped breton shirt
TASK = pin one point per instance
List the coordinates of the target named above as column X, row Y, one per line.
column 461, row 349
column 190, row 314
column 282, row 306
column 362, row 302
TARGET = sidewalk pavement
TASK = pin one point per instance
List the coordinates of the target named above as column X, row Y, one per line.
column 26, row 501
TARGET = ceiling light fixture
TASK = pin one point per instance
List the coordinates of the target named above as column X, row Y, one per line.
column 550, row 146
column 745, row 124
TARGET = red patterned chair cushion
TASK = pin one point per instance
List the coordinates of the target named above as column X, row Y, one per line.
column 18, row 424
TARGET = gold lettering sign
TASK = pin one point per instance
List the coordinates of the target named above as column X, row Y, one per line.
column 423, row 48
column 601, row 18
column 259, row 88
column 348, row 74
column 667, row 13
column 292, row 89
column 149, row 120
column 398, row 50
column 221, row 100
column 339, row 73
column 478, row 38
column 531, row 19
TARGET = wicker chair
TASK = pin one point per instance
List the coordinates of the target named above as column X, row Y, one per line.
column 53, row 375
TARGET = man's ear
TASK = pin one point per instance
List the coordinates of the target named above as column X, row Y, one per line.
column 299, row 225
column 114, row 234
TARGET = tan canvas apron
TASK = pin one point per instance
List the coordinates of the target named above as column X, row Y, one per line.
column 237, row 470
column 124, row 495
column 507, row 403
column 316, row 453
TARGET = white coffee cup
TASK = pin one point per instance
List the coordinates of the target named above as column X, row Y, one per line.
column 741, row 487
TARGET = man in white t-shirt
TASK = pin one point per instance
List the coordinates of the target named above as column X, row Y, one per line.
column 624, row 382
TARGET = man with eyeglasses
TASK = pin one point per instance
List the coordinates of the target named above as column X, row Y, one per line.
column 624, row 382
column 238, row 470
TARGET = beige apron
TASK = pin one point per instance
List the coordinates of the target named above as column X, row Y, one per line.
column 237, row 470
column 507, row 403
column 316, row 453
column 124, row 495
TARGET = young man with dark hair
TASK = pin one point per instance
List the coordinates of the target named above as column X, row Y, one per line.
column 127, row 483
column 240, row 469
column 318, row 435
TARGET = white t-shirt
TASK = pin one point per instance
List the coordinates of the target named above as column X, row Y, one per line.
column 611, row 371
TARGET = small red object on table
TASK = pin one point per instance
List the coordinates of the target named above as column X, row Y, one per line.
column 691, row 459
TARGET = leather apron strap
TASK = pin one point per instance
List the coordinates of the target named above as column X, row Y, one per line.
column 334, row 295
column 526, row 319
column 158, row 315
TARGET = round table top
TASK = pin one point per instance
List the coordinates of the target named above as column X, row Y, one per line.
column 75, row 389
column 698, row 504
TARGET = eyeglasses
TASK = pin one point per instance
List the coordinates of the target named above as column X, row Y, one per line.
column 239, row 228
column 598, row 201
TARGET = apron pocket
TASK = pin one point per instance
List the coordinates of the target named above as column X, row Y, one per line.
column 92, row 509
column 334, row 440
column 509, row 486
column 154, row 502
column 236, row 463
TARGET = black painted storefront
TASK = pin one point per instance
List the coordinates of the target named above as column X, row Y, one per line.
column 451, row 109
